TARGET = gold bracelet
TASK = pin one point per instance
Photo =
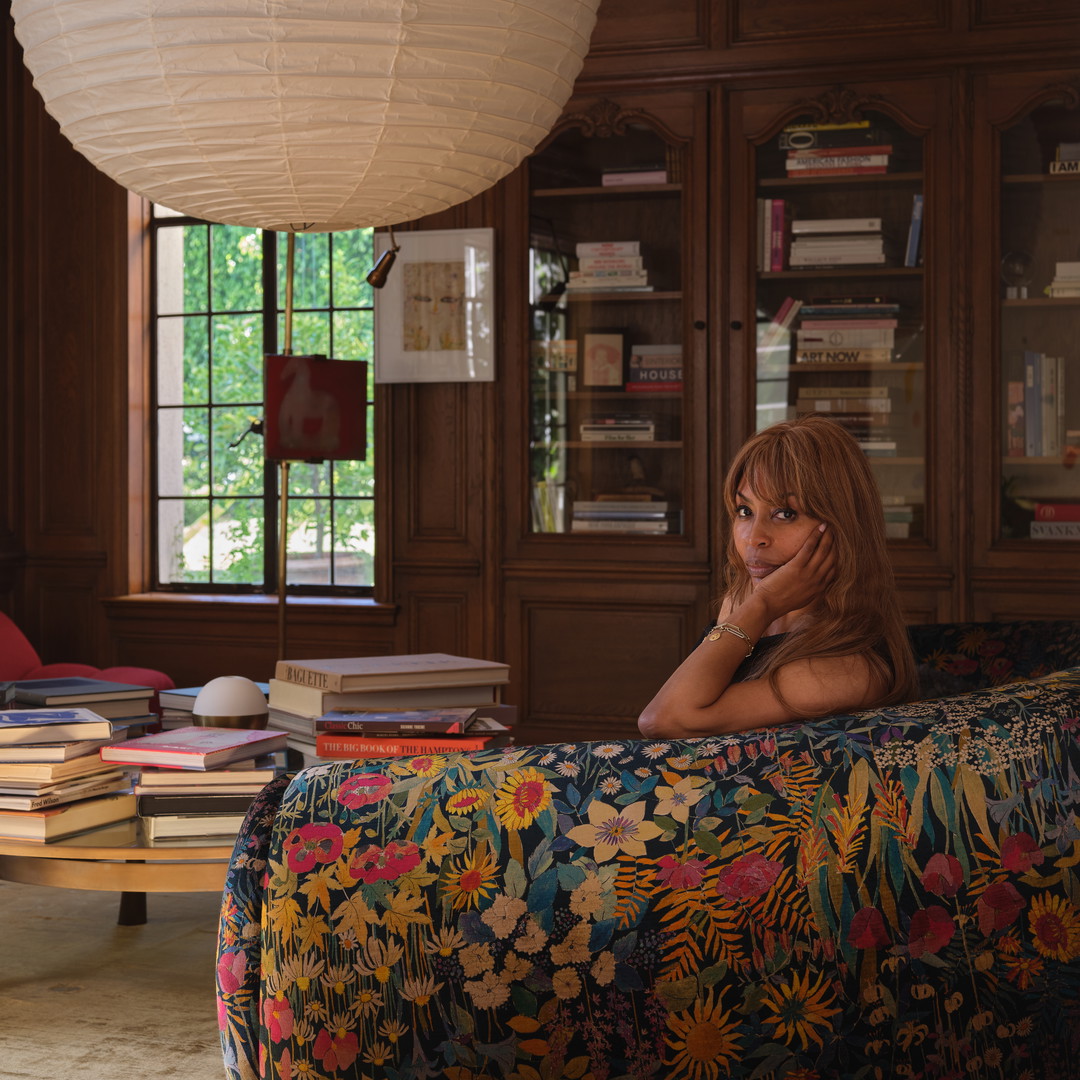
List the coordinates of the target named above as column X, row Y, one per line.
column 730, row 628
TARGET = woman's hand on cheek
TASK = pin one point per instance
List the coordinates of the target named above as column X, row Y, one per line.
column 803, row 579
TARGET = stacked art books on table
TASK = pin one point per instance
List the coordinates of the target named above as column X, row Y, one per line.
column 114, row 700
column 408, row 704
column 192, row 803
column 52, row 781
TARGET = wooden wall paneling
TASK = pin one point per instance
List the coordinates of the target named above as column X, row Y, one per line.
column 780, row 21
column 586, row 657
column 1063, row 14
column 631, row 27
column 1006, row 604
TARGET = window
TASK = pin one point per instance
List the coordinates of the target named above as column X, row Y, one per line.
column 218, row 298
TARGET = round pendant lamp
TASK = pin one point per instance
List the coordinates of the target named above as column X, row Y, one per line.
column 305, row 115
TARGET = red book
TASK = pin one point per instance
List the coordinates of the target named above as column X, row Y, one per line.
column 1057, row 511
column 776, row 249
column 353, row 746
column 837, row 151
column 851, row 170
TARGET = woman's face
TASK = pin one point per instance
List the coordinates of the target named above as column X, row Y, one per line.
column 767, row 535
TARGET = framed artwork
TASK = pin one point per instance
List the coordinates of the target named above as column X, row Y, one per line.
column 316, row 409
column 435, row 316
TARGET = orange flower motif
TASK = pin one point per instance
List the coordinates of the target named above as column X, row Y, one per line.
column 1055, row 926
column 523, row 797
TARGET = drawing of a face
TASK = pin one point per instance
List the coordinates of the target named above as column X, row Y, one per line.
column 434, row 315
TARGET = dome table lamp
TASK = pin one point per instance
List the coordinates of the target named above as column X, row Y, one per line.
column 230, row 701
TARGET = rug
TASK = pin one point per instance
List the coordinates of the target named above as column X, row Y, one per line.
column 82, row 996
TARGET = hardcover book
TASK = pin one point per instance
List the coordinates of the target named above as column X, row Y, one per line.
column 340, row 674
column 353, row 746
column 26, row 726
column 74, row 688
column 454, row 721
column 194, row 747
column 36, row 774
column 70, row 791
column 54, row 822
column 311, row 701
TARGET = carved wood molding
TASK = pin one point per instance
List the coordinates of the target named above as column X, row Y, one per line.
column 606, row 118
column 1067, row 93
column 840, row 105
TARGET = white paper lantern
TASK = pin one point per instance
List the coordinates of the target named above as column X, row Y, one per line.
column 305, row 115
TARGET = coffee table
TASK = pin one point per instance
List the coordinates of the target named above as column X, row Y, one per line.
column 120, row 858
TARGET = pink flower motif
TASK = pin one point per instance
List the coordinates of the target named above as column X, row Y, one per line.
column 943, row 875
column 1020, row 853
column 930, row 931
column 680, row 875
column 992, row 647
column 337, row 1050
column 277, row 1018
column 222, row 1015
column 1000, row 668
column 960, row 665
column 311, row 844
column 231, row 969
column 748, row 877
column 999, row 906
column 284, row 1065
column 868, row 929
column 363, row 790
column 734, row 752
column 385, row 864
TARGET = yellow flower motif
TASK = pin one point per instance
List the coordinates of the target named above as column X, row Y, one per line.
column 419, row 991
column 469, row 881
column 524, row 795
column 800, row 1008
column 446, row 942
column 704, row 1039
column 379, row 1053
column 393, row 1030
column 425, row 765
column 378, row 957
column 337, row 977
column 467, row 800
column 614, row 829
column 365, row 1001
column 675, row 802
column 1023, row 970
column 1055, row 926
column 566, row 983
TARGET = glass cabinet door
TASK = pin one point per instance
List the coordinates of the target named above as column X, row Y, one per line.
column 606, row 327
column 1039, row 328
column 839, row 293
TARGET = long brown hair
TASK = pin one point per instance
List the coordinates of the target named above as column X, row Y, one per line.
column 818, row 462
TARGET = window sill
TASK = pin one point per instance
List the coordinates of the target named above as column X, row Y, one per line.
column 184, row 606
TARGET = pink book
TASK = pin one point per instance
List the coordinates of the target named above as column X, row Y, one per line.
column 776, row 250
column 847, row 324
column 194, row 747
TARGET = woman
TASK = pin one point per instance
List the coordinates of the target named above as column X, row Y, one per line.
column 809, row 623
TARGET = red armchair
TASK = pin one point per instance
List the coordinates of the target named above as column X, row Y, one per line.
column 19, row 660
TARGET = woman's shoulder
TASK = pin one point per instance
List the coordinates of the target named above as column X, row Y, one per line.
column 819, row 685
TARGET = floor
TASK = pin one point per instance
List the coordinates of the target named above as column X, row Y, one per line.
column 83, row 997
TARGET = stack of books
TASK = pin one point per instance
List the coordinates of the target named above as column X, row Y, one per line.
column 1066, row 159
column 52, row 781
column 903, row 515
column 126, row 703
column 618, row 427
column 644, row 515
column 856, row 148
column 1036, row 421
column 1056, row 519
column 836, row 242
column 1066, row 281
column 634, row 175
column 177, row 706
column 175, row 794
column 654, row 368
column 846, row 329
column 313, row 701
column 609, row 266
column 865, row 411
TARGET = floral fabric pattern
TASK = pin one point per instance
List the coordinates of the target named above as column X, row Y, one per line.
column 891, row 893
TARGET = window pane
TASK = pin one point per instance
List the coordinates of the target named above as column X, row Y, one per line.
column 307, row 479
column 237, row 267
column 311, row 277
column 354, row 542
column 311, row 332
column 183, row 440
column 354, row 335
column 308, row 552
column 182, row 544
column 353, row 259
column 238, row 359
column 183, row 366
column 181, row 270
column 355, row 477
column 239, row 541
column 238, row 470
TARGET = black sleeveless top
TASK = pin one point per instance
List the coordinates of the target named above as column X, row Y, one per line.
column 762, row 649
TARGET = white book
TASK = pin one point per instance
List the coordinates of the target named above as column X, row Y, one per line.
column 882, row 337
column 625, row 526
column 832, row 258
column 607, row 247
column 835, row 225
column 846, row 161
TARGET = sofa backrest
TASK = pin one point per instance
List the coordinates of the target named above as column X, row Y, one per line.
column 954, row 658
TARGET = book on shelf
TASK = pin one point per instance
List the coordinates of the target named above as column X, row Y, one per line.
column 66, row 750
column 818, row 163
column 595, row 264
column 591, row 248
column 778, row 233
column 882, row 150
column 1055, row 530
column 878, row 405
column 654, row 367
column 843, row 356
column 311, row 701
column 828, row 242
column 844, row 170
column 623, row 525
column 646, row 504
column 863, row 419
column 897, row 530
column 911, row 248
column 395, row 672
column 1061, row 291
column 67, row 792
column 619, row 515
column 844, row 391
column 334, row 746
column 613, row 275
column 848, row 323
column 20, row 727
column 556, row 355
column 183, row 698
column 1062, row 510
column 179, row 826
column 1014, row 418
column 884, row 447
column 1062, row 168
column 194, row 747
column 619, row 435
column 626, row 176
column 808, row 136
column 54, row 822
column 833, row 258
column 840, row 337
column 813, row 310
column 155, row 804
column 246, row 775
column 603, row 358
column 813, row 226
column 75, row 689
column 774, row 332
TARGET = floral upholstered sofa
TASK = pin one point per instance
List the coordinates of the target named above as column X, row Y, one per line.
column 888, row 894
